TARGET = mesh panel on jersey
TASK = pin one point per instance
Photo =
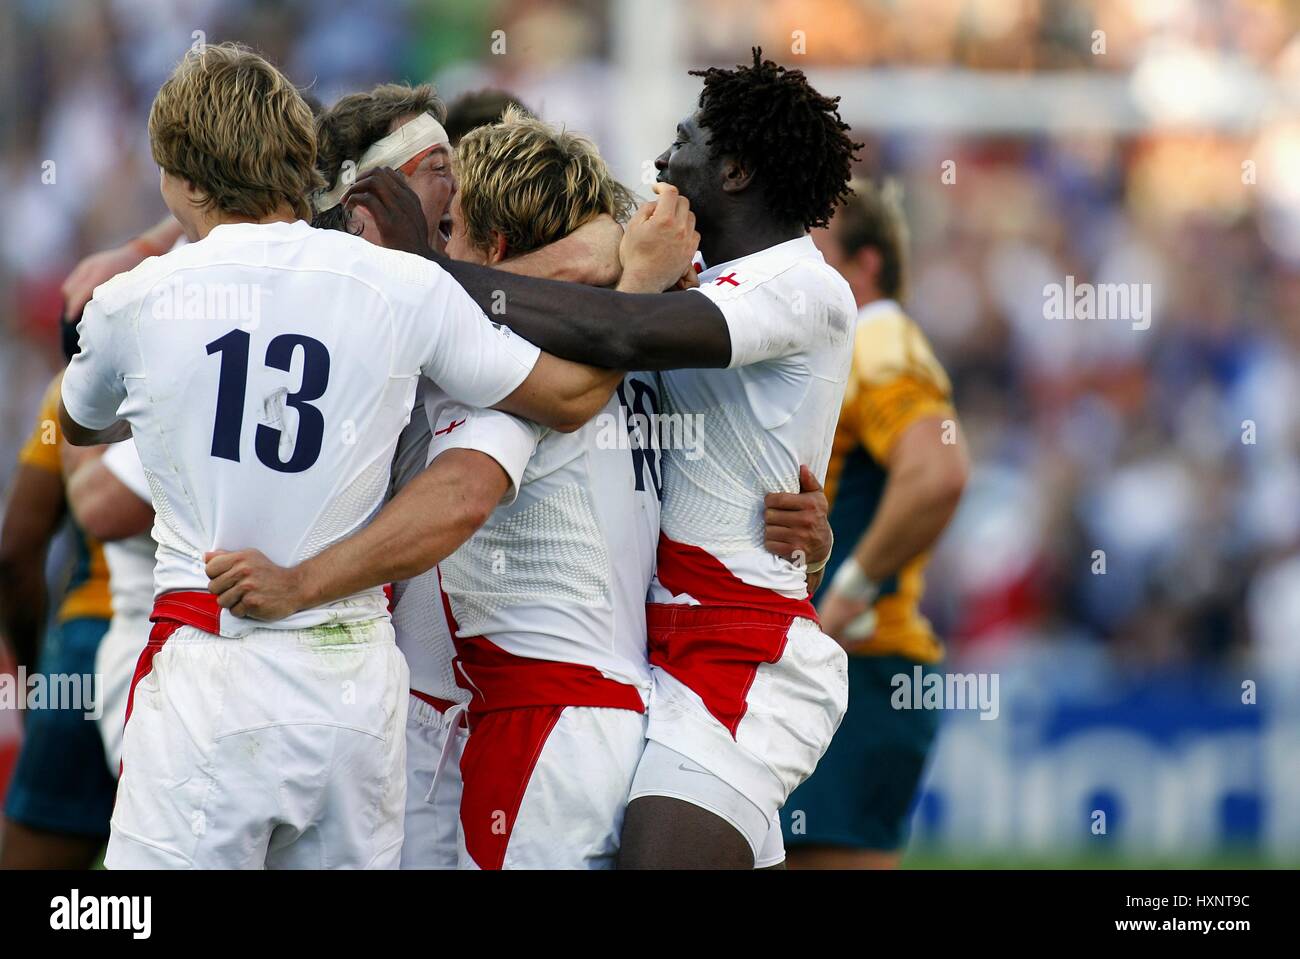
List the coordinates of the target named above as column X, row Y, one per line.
column 422, row 635
column 716, row 499
column 348, row 510
column 165, row 525
column 553, row 551
column 414, row 270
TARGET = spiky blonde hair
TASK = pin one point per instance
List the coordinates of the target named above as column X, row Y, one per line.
column 532, row 182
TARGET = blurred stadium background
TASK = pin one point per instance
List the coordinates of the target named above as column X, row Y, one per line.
column 1127, row 141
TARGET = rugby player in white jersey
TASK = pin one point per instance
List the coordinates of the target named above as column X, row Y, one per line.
column 547, row 599
column 748, row 691
column 265, row 371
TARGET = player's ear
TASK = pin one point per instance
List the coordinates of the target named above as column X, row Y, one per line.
column 498, row 249
column 735, row 176
column 196, row 196
column 868, row 260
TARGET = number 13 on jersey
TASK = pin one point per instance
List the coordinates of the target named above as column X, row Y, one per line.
column 232, row 389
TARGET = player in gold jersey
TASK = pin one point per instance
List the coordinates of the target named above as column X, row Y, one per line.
column 897, row 470
column 61, row 796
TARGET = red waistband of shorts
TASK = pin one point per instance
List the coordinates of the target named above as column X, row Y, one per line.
column 437, row 702
column 498, row 679
column 683, row 616
column 196, row 609
column 690, row 570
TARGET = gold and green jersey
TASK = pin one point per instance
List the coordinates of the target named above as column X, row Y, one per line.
column 895, row 381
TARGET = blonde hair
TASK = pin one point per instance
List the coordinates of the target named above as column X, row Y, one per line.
column 532, row 183
column 233, row 125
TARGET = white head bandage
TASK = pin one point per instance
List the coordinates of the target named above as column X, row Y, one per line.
column 403, row 144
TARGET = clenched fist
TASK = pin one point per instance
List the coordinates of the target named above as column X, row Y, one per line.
column 658, row 243
column 250, row 585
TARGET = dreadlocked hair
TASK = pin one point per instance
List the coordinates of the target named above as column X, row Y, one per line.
column 771, row 120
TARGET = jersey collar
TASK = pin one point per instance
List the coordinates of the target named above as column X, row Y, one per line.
column 796, row 249
column 260, row 231
column 879, row 308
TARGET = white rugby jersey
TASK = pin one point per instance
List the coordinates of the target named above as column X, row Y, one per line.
column 559, row 571
column 424, row 637
column 419, row 621
column 419, row 612
column 130, row 560
column 266, row 372
column 790, row 317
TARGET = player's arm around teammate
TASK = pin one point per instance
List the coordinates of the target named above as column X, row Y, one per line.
column 428, row 518
column 588, row 255
column 572, row 390
column 606, row 328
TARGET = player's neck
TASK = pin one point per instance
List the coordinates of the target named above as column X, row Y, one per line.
column 743, row 238
column 281, row 214
column 866, row 293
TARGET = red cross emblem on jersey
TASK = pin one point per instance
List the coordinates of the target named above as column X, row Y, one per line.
column 449, row 427
column 729, row 278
